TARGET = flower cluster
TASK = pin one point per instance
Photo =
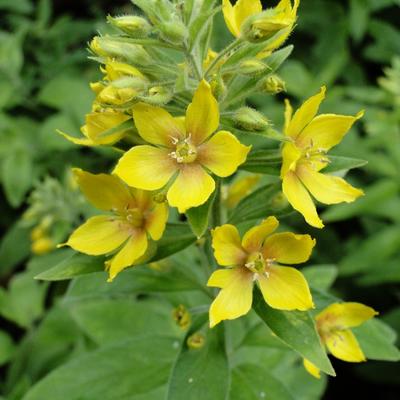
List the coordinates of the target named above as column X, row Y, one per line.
column 186, row 119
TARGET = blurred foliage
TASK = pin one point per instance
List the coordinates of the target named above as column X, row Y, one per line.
column 53, row 331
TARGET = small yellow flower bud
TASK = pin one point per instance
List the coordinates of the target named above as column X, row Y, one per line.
column 196, row 341
column 182, row 317
column 105, row 46
column 42, row 246
column 218, row 87
column 37, row 232
column 174, row 32
column 252, row 67
column 114, row 96
column 273, row 84
column 158, row 95
column 97, row 87
column 250, row 119
column 265, row 25
column 131, row 24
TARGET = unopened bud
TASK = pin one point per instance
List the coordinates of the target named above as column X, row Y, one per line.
column 115, row 96
column 97, row 87
column 196, row 341
column 273, row 84
column 131, row 24
column 265, row 25
column 182, row 317
column 158, row 95
column 218, row 87
column 105, row 46
column 174, row 32
column 252, row 67
column 250, row 120
column 42, row 246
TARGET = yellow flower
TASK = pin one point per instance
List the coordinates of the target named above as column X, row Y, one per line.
column 97, row 124
column 183, row 151
column 257, row 258
column 304, row 157
column 282, row 17
column 135, row 216
column 334, row 324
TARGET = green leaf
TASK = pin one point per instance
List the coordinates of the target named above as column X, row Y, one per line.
column 253, row 382
column 14, row 247
column 198, row 217
column 297, row 329
column 201, row 373
column 267, row 200
column 177, row 236
column 377, row 340
column 266, row 162
column 7, row 348
column 276, row 59
column 17, row 175
column 320, row 276
column 108, row 321
column 340, row 164
column 133, row 369
column 73, row 266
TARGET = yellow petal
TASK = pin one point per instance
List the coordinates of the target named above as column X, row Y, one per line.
column 240, row 188
column 326, row 188
column 326, row 130
column 255, row 237
column 98, row 235
column 288, row 248
column 156, row 220
column 229, row 16
column 155, row 125
column 285, row 289
column 300, row 200
column 202, row 115
column 288, row 115
column 220, row 278
column 305, row 114
column 344, row 345
column 222, row 154
column 235, row 299
column 192, row 187
column 105, row 192
column 290, row 155
column 228, row 250
column 146, row 167
column 244, row 9
column 134, row 248
column 311, row 368
column 97, row 123
column 345, row 315
column 83, row 141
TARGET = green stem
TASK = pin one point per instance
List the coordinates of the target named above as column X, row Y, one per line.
column 216, row 216
column 192, row 60
column 222, row 54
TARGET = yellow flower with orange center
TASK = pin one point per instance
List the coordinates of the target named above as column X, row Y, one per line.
column 258, row 258
column 183, row 151
column 135, row 219
column 334, row 324
column 305, row 155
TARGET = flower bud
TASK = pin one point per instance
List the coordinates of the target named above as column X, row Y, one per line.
column 196, row 341
column 105, row 46
column 181, row 316
column 42, row 246
column 218, row 87
column 250, row 119
column 158, row 95
column 112, row 95
column 131, row 24
column 265, row 25
column 272, row 84
column 252, row 67
column 174, row 32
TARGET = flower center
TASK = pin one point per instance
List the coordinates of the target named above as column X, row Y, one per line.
column 134, row 217
column 258, row 264
column 185, row 151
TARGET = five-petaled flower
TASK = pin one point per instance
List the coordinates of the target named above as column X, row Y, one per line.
column 257, row 258
column 334, row 324
column 134, row 216
column 304, row 156
column 182, row 149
